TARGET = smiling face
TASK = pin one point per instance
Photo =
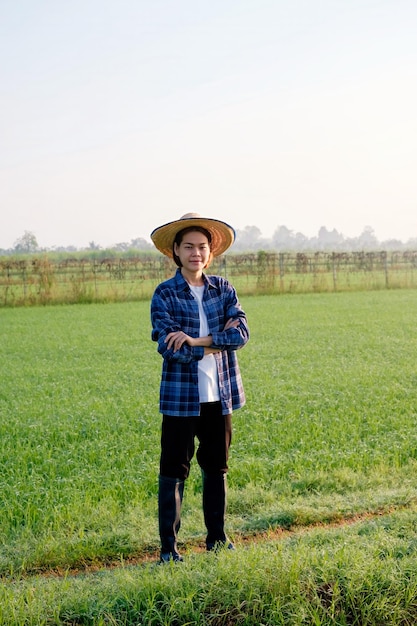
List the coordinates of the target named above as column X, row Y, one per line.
column 193, row 251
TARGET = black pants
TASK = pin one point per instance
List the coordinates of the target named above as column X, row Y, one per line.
column 214, row 433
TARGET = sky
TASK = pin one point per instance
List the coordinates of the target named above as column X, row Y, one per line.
column 119, row 116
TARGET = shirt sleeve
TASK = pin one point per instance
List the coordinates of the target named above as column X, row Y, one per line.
column 232, row 338
column 163, row 322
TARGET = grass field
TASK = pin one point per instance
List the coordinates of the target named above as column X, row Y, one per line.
column 328, row 435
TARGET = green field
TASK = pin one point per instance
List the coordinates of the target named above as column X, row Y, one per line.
column 328, row 436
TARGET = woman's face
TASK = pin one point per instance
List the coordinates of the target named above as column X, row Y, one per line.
column 193, row 251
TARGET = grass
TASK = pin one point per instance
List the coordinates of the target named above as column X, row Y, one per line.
column 328, row 434
column 363, row 574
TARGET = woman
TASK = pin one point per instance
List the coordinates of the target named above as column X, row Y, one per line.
column 199, row 324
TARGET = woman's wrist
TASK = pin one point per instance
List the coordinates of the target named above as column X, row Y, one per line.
column 204, row 342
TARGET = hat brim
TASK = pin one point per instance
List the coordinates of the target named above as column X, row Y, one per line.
column 222, row 234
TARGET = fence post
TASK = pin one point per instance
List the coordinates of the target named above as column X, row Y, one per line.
column 334, row 271
column 385, row 257
column 281, row 271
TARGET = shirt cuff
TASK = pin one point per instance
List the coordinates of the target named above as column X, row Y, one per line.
column 198, row 353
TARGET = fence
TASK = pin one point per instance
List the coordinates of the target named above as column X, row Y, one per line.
column 43, row 280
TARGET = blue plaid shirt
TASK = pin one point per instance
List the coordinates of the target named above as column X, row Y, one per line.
column 174, row 308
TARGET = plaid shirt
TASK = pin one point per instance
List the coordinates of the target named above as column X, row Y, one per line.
column 174, row 308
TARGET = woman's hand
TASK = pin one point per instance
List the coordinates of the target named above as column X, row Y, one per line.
column 231, row 324
column 176, row 339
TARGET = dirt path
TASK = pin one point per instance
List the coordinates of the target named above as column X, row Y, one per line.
column 150, row 554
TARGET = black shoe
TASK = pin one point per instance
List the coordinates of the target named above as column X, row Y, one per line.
column 167, row 557
column 220, row 545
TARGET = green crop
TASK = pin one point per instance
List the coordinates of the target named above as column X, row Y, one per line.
column 328, row 434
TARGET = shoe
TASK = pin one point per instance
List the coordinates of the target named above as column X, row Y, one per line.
column 220, row 545
column 167, row 557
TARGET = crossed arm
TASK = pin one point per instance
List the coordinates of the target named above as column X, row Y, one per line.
column 176, row 339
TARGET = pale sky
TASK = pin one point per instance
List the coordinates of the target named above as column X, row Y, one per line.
column 120, row 115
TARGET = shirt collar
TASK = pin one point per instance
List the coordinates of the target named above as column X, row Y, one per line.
column 182, row 283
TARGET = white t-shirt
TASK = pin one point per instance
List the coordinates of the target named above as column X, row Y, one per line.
column 208, row 381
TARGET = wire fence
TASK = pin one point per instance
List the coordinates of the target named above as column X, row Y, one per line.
column 45, row 280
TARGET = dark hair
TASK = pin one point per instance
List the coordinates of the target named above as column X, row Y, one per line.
column 180, row 235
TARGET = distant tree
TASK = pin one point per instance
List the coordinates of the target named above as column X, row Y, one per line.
column 135, row 244
column 121, row 247
column 26, row 244
column 392, row 244
column 93, row 246
column 301, row 241
column 248, row 238
column 367, row 239
column 140, row 244
column 411, row 244
column 329, row 239
column 283, row 238
column 65, row 249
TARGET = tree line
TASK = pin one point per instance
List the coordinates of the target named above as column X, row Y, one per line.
column 249, row 239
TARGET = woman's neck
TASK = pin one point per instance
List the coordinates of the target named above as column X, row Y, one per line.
column 195, row 279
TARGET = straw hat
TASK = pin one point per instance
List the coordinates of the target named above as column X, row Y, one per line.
column 222, row 235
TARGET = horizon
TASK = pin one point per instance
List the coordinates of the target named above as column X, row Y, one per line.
column 258, row 239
